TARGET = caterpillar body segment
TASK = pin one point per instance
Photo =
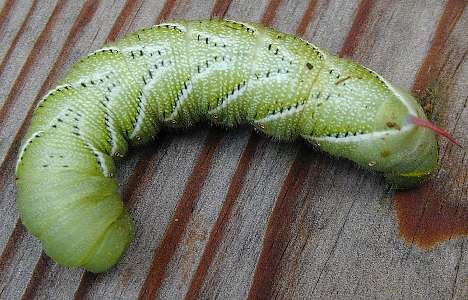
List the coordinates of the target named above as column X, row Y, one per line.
column 178, row 74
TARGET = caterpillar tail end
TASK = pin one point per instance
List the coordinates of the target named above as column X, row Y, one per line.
column 417, row 171
column 418, row 157
column 425, row 165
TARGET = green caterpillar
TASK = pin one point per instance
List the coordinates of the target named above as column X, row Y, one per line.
column 178, row 74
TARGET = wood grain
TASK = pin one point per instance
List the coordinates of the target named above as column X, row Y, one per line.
column 246, row 217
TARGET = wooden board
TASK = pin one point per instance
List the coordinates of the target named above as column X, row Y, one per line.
column 246, row 216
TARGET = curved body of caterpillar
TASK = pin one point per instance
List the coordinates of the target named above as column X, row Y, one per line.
column 177, row 74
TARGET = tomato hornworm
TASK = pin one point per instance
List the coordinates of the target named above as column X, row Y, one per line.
column 178, row 74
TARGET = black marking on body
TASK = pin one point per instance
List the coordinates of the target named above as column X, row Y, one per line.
column 111, row 84
column 143, row 52
column 342, row 80
column 173, row 27
column 243, row 26
column 343, row 134
column 30, row 141
column 210, row 41
column 276, row 51
column 286, row 108
column 376, row 76
column 220, row 100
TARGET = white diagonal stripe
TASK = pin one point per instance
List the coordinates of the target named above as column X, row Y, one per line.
column 25, row 145
column 182, row 97
column 282, row 114
column 229, row 99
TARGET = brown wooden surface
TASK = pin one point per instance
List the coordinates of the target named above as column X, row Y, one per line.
column 233, row 214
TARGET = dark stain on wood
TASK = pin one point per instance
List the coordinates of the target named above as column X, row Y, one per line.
column 425, row 219
column 424, row 215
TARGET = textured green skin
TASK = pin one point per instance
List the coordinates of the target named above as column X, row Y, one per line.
column 178, row 74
